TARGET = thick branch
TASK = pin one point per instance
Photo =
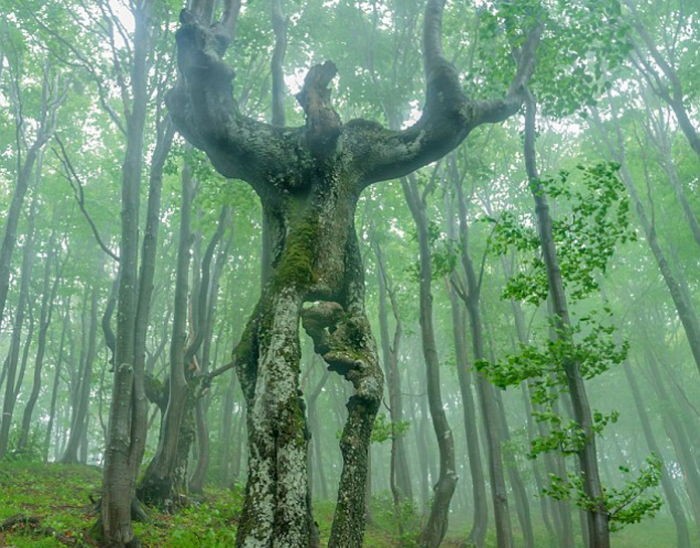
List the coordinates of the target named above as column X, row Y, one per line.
column 204, row 111
column 448, row 114
column 322, row 121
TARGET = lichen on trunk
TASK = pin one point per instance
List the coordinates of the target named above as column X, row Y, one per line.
column 315, row 257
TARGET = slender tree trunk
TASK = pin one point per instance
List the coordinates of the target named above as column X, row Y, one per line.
column 424, row 462
column 207, row 305
column 522, row 504
column 56, row 381
column 477, row 535
column 164, row 478
column 400, row 476
column 226, row 453
column 436, row 527
column 674, row 503
column 674, row 430
column 128, row 410
column 25, row 168
column 548, row 507
column 489, row 409
column 79, row 423
column 598, row 532
column 13, row 358
column 676, row 286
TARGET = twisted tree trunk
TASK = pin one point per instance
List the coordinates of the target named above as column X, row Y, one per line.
column 309, row 180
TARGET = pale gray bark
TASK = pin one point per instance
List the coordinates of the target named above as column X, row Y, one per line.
column 127, row 416
column 48, row 295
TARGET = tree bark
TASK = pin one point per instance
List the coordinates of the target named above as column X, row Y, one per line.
column 12, row 384
column 51, row 99
column 56, row 381
column 226, row 453
column 400, row 476
column 165, row 477
column 204, row 328
column 128, row 410
column 674, row 430
column 477, row 534
column 47, row 305
column 554, row 513
column 485, row 391
column 79, row 423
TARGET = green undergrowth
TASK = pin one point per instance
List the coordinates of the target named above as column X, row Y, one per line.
column 56, row 502
column 57, row 497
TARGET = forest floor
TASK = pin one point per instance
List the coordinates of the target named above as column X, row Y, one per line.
column 52, row 505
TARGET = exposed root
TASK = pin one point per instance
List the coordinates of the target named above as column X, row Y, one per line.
column 33, row 523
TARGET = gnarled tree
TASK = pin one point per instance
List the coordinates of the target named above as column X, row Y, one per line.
column 309, row 180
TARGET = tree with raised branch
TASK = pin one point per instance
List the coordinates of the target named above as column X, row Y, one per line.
column 309, row 180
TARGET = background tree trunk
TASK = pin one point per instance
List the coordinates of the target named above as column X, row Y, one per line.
column 598, row 533
column 436, row 527
column 13, row 377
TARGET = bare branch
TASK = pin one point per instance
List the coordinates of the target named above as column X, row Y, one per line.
column 77, row 186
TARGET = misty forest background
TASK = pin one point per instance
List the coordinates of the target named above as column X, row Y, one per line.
column 618, row 154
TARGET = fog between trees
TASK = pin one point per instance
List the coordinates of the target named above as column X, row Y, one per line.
column 387, row 273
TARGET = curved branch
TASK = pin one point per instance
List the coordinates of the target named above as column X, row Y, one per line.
column 204, row 111
column 448, row 114
column 77, row 186
column 204, row 301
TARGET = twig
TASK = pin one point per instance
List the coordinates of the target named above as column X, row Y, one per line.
column 77, row 186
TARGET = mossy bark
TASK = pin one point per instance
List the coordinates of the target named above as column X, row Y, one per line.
column 316, row 276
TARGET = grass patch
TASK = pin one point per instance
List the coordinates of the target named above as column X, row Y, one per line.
column 57, row 497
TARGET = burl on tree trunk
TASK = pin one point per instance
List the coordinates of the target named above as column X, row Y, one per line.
column 309, row 180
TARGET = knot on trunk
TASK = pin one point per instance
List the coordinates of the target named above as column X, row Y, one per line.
column 320, row 321
column 322, row 121
column 338, row 337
